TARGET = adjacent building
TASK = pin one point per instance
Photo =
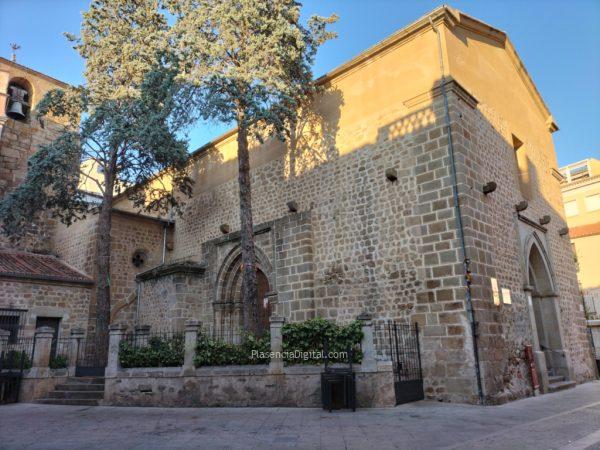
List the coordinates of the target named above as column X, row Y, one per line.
column 581, row 196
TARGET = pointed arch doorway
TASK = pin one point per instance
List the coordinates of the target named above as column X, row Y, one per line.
column 551, row 360
column 229, row 307
column 263, row 308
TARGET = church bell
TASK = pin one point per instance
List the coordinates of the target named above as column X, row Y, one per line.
column 15, row 111
column 17, row 103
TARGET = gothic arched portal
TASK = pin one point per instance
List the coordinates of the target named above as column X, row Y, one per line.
column 228, row 306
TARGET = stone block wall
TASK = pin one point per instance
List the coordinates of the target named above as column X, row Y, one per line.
column 69, row 302
column 18, row 142
column 167, row 300
column 494, row 233
column 76, row 245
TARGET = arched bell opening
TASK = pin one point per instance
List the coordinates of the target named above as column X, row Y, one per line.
column 19, row 99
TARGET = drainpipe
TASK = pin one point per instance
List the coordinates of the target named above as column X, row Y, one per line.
column 459, row 222
column 164, row 249
column 138, row 289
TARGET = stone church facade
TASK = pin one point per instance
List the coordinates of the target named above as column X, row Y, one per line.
column 358, row 214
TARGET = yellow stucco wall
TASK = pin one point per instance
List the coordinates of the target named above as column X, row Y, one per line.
column 588, row 259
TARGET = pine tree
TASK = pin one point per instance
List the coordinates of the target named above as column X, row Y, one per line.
column 126, row 121
column 251, row 62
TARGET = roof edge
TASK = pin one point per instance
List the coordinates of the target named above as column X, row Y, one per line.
column 33, row 72
column 445, row 14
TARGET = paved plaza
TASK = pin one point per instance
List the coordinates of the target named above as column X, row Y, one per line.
column 564, row 420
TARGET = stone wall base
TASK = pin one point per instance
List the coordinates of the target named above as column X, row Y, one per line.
column 37, row 383
column 298, row 386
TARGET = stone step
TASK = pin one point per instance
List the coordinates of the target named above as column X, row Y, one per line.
column 64, row 401
column 77, row 395
column 561, row 385
column 555, row 378
column 80, row 387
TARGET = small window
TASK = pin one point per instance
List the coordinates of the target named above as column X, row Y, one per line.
column 592, row 202
column 138, row 259
column 571, row 208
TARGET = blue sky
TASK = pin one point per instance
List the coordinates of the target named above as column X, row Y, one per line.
column 558, row 41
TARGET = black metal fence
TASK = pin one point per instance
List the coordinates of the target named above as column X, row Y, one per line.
column 222, row 334
column 13, row 320
column 156, row 349
column 140, row 340
column 60, row 353
column 21, row 345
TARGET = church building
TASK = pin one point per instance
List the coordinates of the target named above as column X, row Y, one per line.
column 421, row 187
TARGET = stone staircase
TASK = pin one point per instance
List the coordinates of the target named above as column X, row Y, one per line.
column 559, row 383
column 83, row 391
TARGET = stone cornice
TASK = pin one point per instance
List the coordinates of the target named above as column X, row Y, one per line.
column 450, row 85
column 182, row 267
column 445, row 15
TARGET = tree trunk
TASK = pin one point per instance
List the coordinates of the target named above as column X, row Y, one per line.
column 103, row 262
column 249, row 285
column 103, row 284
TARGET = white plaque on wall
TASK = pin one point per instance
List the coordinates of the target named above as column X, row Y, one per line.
column 506, row 296
column 495, row 291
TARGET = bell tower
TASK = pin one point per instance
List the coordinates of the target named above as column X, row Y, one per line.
column 21, row 88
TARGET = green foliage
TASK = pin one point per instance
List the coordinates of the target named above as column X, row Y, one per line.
column 211, row 352
column 119, row 41
column 14, row 358
column 160, row 352
column 250, row 59
column 58, row 362
column 308, row 336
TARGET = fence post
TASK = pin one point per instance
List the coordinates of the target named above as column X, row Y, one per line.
column 74, row 343
column 369, row 363
column 191, row 337
column 115, row 334
column 276, row 362
column 142, row 333
column 42, row 347
column 4, row 337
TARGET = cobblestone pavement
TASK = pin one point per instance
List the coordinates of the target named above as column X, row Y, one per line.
column 569, row 420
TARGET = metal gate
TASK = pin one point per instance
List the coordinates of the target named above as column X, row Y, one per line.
column 92, row 356
column 406, row 361
column 12, row 364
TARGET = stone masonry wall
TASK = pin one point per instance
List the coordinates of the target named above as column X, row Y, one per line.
column 18, row 142
column 383, row 247
column 76, row 245
column 68, row 302
column 484, row 153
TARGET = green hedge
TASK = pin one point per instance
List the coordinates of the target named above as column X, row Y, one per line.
column 13, row 359
column 212, row 352
column 160, row 352
column 58, row 362
column 307, row 338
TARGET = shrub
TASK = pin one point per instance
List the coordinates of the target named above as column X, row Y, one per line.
column 160, row 352
column 58, row 362
column 13, row 359
column 211, row 352
column 308, row 336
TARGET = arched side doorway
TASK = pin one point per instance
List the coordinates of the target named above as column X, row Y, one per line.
column 229, row 307
column 545, row 314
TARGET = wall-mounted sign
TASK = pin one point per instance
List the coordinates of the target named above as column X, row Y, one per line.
column 495, row 291
column 506, row 296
